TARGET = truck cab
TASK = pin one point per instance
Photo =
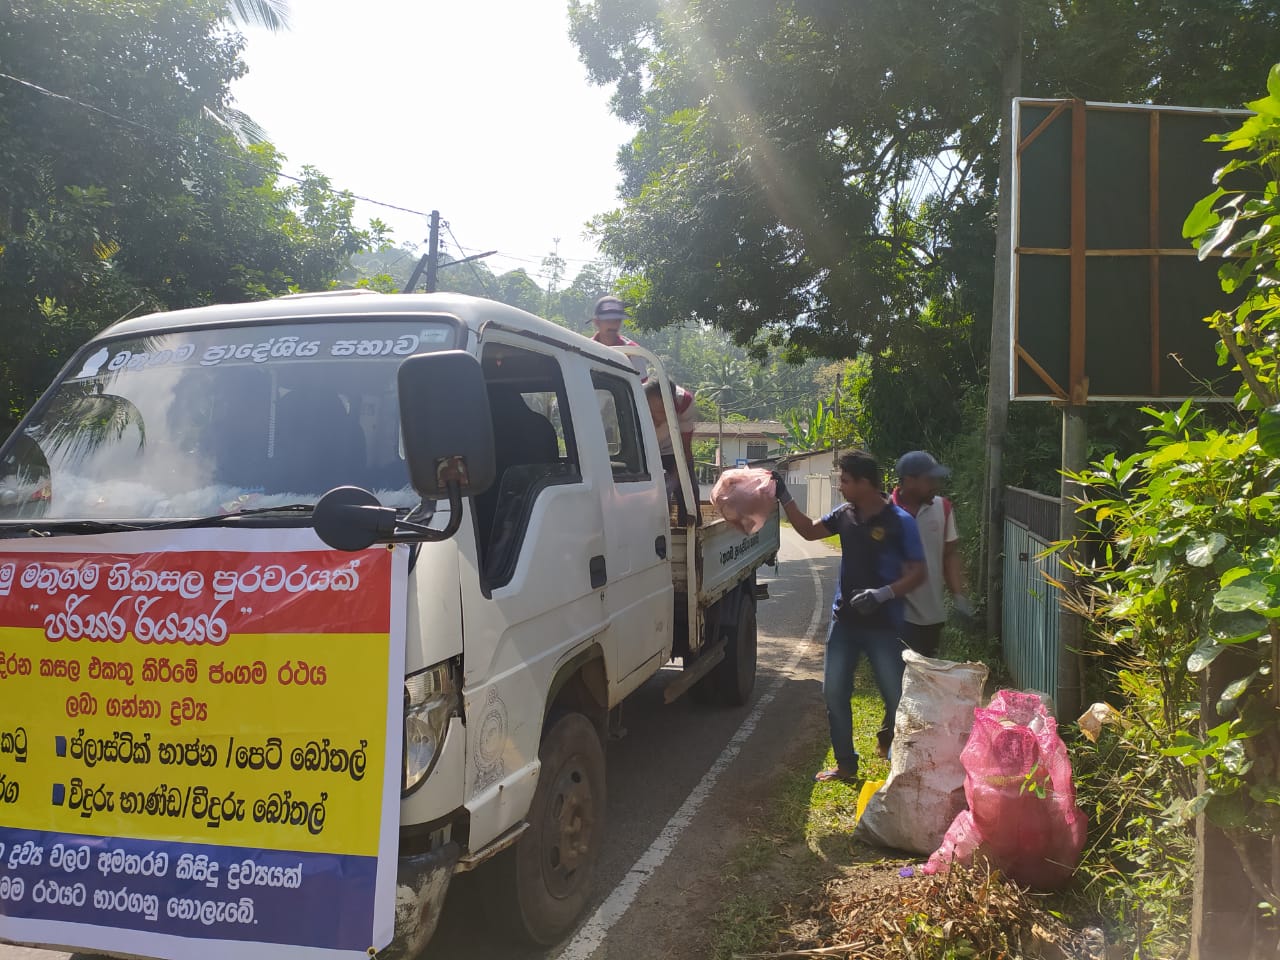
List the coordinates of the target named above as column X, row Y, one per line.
column 547, row 586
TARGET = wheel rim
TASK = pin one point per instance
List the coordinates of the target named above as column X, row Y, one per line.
column 567, row 828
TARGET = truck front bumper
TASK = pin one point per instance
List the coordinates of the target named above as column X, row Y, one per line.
column 422, row 880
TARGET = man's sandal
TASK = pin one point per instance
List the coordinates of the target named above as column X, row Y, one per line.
column 835, row 773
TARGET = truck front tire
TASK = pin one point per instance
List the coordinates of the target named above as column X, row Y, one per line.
column 541, row 885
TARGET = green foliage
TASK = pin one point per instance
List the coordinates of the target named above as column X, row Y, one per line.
column 1188, row 583
column 821, row 173
column 101, row 218
column 820, row 178
column 1241, row 221
column 1182, row 518
column 808, row 430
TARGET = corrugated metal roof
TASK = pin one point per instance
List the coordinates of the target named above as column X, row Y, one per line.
column 740, row 428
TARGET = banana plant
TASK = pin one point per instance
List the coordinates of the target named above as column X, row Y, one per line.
column 808, row 429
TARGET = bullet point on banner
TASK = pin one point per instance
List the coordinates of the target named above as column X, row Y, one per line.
column 59, row 794
column 60, row 746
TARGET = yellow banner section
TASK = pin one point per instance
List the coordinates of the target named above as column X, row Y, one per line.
column 272, row 741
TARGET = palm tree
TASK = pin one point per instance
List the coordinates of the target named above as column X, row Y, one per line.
column 270, row 14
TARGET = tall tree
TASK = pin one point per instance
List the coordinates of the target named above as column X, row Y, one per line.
column 123, row 193
column 805, row 169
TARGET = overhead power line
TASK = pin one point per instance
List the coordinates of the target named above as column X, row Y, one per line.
column 470, row 261
column 530, row 258
column 165, row 135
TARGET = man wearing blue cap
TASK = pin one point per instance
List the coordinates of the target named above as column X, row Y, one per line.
column 920, row 478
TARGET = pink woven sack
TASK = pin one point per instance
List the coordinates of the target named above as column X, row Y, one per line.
column 744, row 497
column 1022, row 812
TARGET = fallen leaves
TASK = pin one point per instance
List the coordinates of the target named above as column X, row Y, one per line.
column 880, row 914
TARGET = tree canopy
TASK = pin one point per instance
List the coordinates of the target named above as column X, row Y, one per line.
column 125, row 188
column 819, row 171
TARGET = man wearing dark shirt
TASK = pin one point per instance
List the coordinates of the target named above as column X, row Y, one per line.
column 881, row 560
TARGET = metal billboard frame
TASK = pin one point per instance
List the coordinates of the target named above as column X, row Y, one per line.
column 1076, row 390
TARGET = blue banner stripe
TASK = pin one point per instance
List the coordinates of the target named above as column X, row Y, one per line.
column 188, row 889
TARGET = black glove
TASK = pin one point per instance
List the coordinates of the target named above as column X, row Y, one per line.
column 780, row 490
column 868, row 601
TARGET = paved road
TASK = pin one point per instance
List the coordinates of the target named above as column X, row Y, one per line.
column 684, row 783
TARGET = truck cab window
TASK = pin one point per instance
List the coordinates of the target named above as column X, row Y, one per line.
column 621, row 427
column 534, row 448
column 214, row 420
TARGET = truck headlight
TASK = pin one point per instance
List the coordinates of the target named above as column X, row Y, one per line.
column 431, row 699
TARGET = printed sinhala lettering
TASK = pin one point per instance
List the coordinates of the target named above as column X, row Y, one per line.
column 739, row 549
column 141, row 601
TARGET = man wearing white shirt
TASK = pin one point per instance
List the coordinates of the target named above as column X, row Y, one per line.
column 919, row 478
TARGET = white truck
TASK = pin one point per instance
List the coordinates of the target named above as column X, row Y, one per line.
column 549, row 577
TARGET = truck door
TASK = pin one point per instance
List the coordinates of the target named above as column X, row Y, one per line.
column 540, row 563
column 636, row 528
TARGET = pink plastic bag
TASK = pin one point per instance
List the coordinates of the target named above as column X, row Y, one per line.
column 1022, row 812
column 744, row 497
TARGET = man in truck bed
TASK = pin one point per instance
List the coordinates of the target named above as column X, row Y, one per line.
column 881, row 560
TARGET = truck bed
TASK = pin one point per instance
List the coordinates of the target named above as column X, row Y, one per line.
column 724, row 556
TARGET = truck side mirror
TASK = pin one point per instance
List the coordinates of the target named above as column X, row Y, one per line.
column 445, row 423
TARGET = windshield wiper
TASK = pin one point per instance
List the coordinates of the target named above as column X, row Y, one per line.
column 224, row 519
column 55, row 528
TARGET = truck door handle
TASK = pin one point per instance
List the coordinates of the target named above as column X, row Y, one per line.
column 660, row 547
column 598, row 576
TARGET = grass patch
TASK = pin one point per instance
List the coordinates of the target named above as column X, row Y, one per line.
column 806, row 824
column 744, row 922
column 832, row 805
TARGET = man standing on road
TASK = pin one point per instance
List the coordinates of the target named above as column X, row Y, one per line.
column 608, row 318
column 919, row 479
column 881, row 561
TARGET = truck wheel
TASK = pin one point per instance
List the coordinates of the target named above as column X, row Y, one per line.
column 730, row 683
column 540, row 886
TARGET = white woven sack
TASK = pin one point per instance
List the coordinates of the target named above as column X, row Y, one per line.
column 925, row 789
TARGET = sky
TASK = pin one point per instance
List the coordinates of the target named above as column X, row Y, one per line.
column 477, row 108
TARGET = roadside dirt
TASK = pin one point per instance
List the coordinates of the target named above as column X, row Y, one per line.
column 674, row 918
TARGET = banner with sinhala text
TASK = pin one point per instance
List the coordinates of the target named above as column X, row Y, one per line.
column 200, row 739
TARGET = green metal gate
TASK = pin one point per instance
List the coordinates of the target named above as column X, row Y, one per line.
column 1030, row 615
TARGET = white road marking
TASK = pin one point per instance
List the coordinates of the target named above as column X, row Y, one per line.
column 592, row 933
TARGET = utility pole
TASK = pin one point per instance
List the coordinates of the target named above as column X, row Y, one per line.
column 835, row 416
column 998, row 385
column 433, row 252
column 720, row 430
column 430, row 263
column 552, row 263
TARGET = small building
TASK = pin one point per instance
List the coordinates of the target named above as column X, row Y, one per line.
column 812, row 479
column 743, row 439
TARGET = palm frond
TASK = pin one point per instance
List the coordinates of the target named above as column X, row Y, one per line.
column 240, row 125
column 271, row 14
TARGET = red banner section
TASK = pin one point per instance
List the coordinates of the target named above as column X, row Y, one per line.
column 198, row 597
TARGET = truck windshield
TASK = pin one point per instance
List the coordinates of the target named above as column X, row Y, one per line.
column 209, row 421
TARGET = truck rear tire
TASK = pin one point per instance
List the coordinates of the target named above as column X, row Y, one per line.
column 730, row 683
column 539, row 887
